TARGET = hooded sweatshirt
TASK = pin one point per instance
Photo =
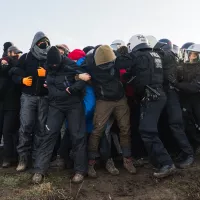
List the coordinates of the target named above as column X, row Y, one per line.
column 28, row 65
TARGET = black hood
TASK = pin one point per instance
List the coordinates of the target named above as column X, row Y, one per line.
column 90, row 56
column 38, row 36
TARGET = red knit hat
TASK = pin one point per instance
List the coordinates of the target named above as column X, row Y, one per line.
column 76, row 54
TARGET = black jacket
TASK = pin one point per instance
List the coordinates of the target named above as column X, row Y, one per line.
column 106, row 78
column 147, row 70
column 9, row 91
column 60, row 79
column 189, row 79
column 170, row 63
column 28, row 66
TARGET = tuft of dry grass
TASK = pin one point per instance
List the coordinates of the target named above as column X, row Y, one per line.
column 45, row 191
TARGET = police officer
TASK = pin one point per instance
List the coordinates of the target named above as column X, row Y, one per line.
column 189, row 89
column 173, row 108
column 148, row 73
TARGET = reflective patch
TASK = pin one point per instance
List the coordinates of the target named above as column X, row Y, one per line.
column 184, row 110
column 157, row 60
column 158, row 63
column 142, row 116
column 48, row 129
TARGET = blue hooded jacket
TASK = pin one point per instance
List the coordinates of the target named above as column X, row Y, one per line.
column 89, row 102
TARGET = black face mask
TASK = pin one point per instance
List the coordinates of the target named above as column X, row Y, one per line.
column 15, row 57
column 43, row 45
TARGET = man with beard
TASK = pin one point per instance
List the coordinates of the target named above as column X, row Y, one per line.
column 30, row 74
column 9, row 105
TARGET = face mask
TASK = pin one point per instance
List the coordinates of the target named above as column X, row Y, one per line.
column 43, row 45
column 15, row 57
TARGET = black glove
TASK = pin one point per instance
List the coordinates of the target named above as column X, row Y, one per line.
column 172, row 79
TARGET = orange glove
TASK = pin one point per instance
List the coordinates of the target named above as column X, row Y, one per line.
column 27, row 81
column 41, row 72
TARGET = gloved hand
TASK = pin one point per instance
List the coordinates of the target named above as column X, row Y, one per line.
column 41, row 72
column 27, row 81
column 172, row 79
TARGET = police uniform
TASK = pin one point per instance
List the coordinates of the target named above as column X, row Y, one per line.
column 148, row 70
column 173, row 107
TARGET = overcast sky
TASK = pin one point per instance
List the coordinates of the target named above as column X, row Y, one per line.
column 79, row 23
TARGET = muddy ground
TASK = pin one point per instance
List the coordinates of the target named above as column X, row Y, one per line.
column 185, row 185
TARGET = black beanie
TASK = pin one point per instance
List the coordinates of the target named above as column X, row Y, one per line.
column 53, row 56
column 7, row 45
column 87, row 49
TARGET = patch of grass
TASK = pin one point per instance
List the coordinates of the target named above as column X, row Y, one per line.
column 12, row 181
column 44, row 191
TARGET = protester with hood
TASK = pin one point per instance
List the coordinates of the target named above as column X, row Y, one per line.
column 110, row 99
column 65, row 102
column 89, row 97
column 9, row 105
column 87, row 49
column 30, row 73
column 5, row 48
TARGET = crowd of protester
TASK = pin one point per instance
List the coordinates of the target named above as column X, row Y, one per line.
column 73, row 108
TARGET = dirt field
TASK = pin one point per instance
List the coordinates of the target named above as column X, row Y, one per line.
column 185, row 185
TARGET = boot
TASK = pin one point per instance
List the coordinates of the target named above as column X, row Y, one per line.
column 186, row 163
column 78, row 178
column 23, row 164
column 37, row 178
column 110, row 166
column 128, row 164
column 165, row 171
column 91, row 171
column 58, row 163
column 6, row 164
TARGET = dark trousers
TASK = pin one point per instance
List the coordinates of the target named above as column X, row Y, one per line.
column 150, row 112
column 76, row 126
column 10, row 126
column 191, row 115
column 175, row 120
column 33, row 116
column 1, row 124
column 120, row 111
